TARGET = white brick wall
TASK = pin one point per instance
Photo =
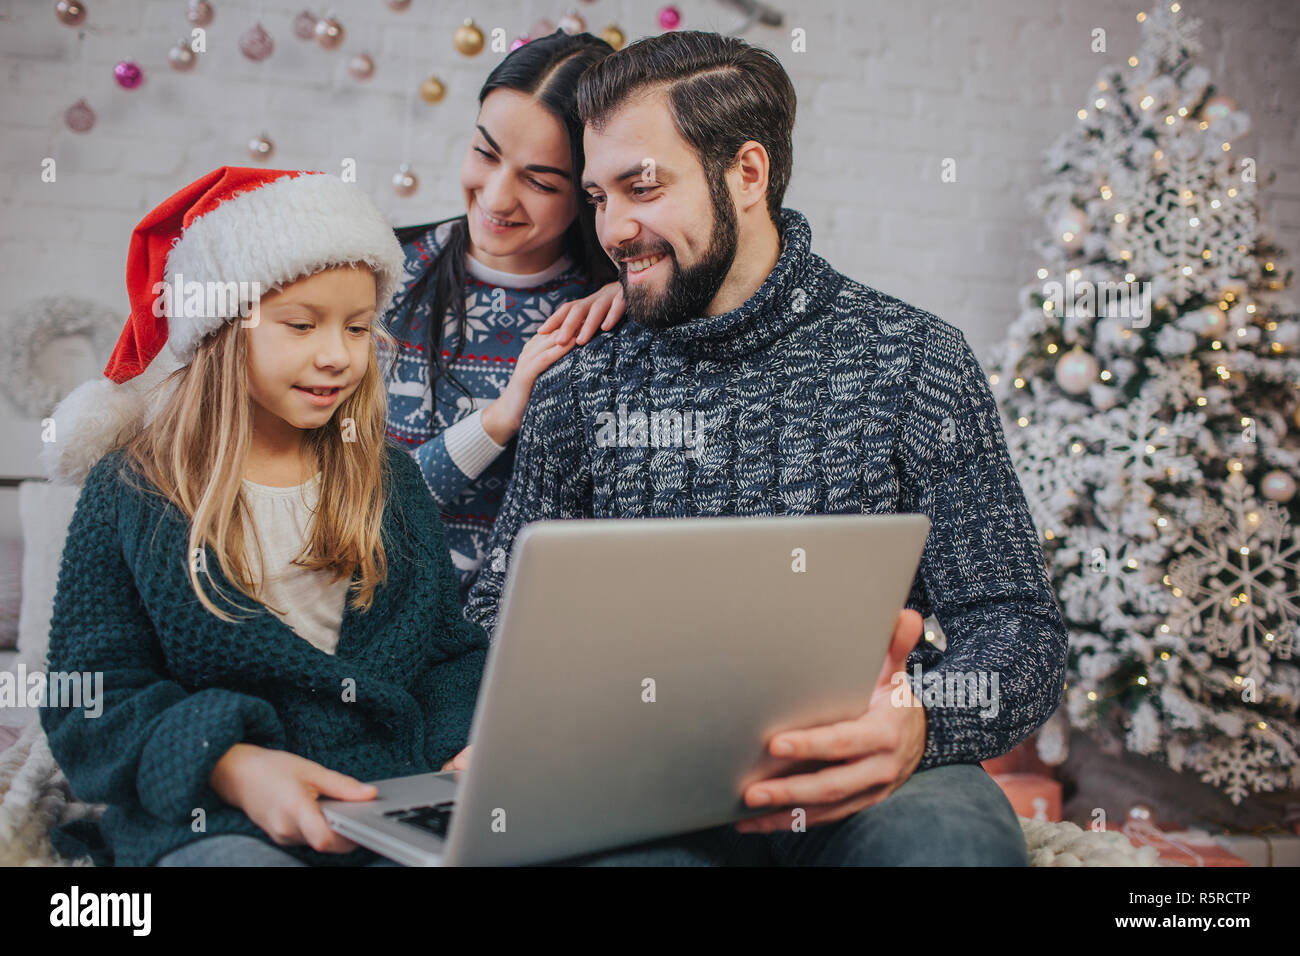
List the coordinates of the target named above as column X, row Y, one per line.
column 886, row 90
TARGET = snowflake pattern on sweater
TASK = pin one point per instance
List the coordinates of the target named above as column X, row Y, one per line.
column 819, row 396
column 500, row 320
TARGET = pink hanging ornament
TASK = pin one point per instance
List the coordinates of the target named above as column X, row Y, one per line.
column 256, row 44
column 670, row 18
column 304, row 25
column 79, row 117
column 520, row 40
column 199, row 13
column 128, row 74
column 361, row 66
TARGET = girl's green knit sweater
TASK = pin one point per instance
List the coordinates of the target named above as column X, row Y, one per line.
column 180, row 686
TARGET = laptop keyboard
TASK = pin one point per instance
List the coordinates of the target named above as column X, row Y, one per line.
column 433, row 818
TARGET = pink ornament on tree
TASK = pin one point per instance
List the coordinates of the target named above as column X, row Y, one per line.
column 329, row 33
column 79, row 117
column 521, row 40
column 670, row 18
column 128, row 74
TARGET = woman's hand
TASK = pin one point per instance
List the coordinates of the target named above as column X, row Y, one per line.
column 458, row 762
column 279, row 790
column 504, row 417
column 580, row 317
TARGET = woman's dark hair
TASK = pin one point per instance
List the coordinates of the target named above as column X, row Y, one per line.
column 547, row 69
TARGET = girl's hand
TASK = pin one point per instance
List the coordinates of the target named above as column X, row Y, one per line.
column 585, row 314
column 458, row 762
column 278, row 791
column 504, row 417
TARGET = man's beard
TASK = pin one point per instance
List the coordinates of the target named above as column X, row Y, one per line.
column 689, row 291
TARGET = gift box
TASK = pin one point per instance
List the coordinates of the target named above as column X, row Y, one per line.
column 1032, row 795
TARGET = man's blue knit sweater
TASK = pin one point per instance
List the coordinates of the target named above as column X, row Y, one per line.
column 817, row 395
column 181, row 686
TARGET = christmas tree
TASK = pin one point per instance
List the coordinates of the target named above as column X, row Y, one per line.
column 1150, row 389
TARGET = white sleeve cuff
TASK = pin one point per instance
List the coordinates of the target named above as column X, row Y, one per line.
column 469, row 445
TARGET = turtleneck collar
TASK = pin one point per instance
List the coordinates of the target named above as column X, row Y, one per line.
column 796, row 287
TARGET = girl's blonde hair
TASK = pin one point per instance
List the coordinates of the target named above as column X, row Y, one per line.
column 195, row 450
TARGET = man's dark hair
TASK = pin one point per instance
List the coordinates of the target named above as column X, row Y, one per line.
column 723, row 93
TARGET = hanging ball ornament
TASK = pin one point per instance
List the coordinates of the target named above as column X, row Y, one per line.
column 1141, row 813
column 79, row 117
column 361, row 66
column 468, row 38
column 128, row 74
column 304, row 25
column 572, row 23
column 256, row 43
column 1213, row 321
column 261, row 147
column 329, row 33
column 404, row 181
column 1278, row 486
column 1075, row 371
column 181, row 57
column 1070, row 227
column 432, row 90
column 613, row 36
column 670, row 18
column 70, row 13
column 199, row 13
column 1217, row 107
column 521, row 40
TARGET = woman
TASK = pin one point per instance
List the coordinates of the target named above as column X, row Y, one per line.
column 488, row 303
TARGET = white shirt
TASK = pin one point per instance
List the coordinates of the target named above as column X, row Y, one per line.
column 305, row 600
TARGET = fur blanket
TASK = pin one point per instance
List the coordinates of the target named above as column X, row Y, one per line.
column 35, row 796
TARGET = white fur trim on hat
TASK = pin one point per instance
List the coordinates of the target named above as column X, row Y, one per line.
column 272, row 235
column 99, row 415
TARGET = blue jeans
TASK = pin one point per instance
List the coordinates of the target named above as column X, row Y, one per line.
column 235, row 849
column 954, row 815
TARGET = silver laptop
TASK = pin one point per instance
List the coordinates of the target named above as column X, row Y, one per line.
column 636, row 673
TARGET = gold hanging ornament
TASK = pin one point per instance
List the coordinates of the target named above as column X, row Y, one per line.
column 432, row 90
column 613, row 36
column 468, row 38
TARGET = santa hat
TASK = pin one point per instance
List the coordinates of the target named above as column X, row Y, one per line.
column 234, row 225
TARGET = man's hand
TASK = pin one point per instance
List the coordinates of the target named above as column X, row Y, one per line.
column 870, row 757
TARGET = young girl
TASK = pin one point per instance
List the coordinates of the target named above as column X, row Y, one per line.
column 489, row 300
column 257, row 576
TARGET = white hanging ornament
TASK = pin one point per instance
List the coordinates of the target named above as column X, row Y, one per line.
column 1075, row 371
column 404, row 181
column 261, row 147
column 1278, row 486
column 572, row 22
